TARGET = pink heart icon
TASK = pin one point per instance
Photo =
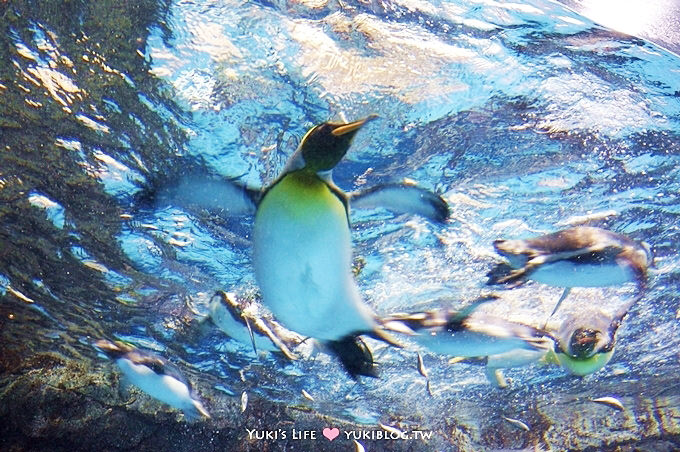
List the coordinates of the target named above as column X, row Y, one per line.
column 331, row 433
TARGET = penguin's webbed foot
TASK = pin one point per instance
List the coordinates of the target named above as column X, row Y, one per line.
column 355, row 356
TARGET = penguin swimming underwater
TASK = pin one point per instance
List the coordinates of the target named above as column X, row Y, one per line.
column 302, row 253
column 239, row 322
column 302, row 245
column 462, row 334
column 581, row 256
column 155, row 376
column 585, row 341
column 583, row 344
column 493, row 341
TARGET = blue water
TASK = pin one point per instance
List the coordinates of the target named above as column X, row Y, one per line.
column 523, row 115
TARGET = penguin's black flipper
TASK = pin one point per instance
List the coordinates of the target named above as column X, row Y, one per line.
column 621, row 314
column 222, row 196
column 402, row 198
column 455, row 321
column 355, row 356
column 564, row 295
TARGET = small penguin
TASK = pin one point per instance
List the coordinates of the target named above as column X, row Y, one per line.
column 462, row 334
column 585, row 341
column 155, row 376
column 240, row 322
column 582, row 256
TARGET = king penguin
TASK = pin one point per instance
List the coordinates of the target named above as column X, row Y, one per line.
column 302, row 249
column 155, row 376
column 585, row 340
column 582, row 256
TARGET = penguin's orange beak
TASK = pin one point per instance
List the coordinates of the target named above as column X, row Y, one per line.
column 342, row 129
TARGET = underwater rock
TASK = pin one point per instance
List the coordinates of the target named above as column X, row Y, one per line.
column 51, row 402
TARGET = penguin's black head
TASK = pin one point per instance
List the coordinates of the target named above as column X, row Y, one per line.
column 325, row 145
column 583, row 343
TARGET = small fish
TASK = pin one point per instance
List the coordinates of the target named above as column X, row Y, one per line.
column 429, row 388
column 244, row 401
column 393, row 430
column 307, row 396
column 610, row 401
column 423, row 371
column 517, row 423
column 19, row 295
column 358, row 446
column 421, row 366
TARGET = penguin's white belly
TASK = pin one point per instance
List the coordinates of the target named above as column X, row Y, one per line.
column 302, row 258
column 468, row 344
column 162, row 387
column 515, row 358
column 568, row 274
